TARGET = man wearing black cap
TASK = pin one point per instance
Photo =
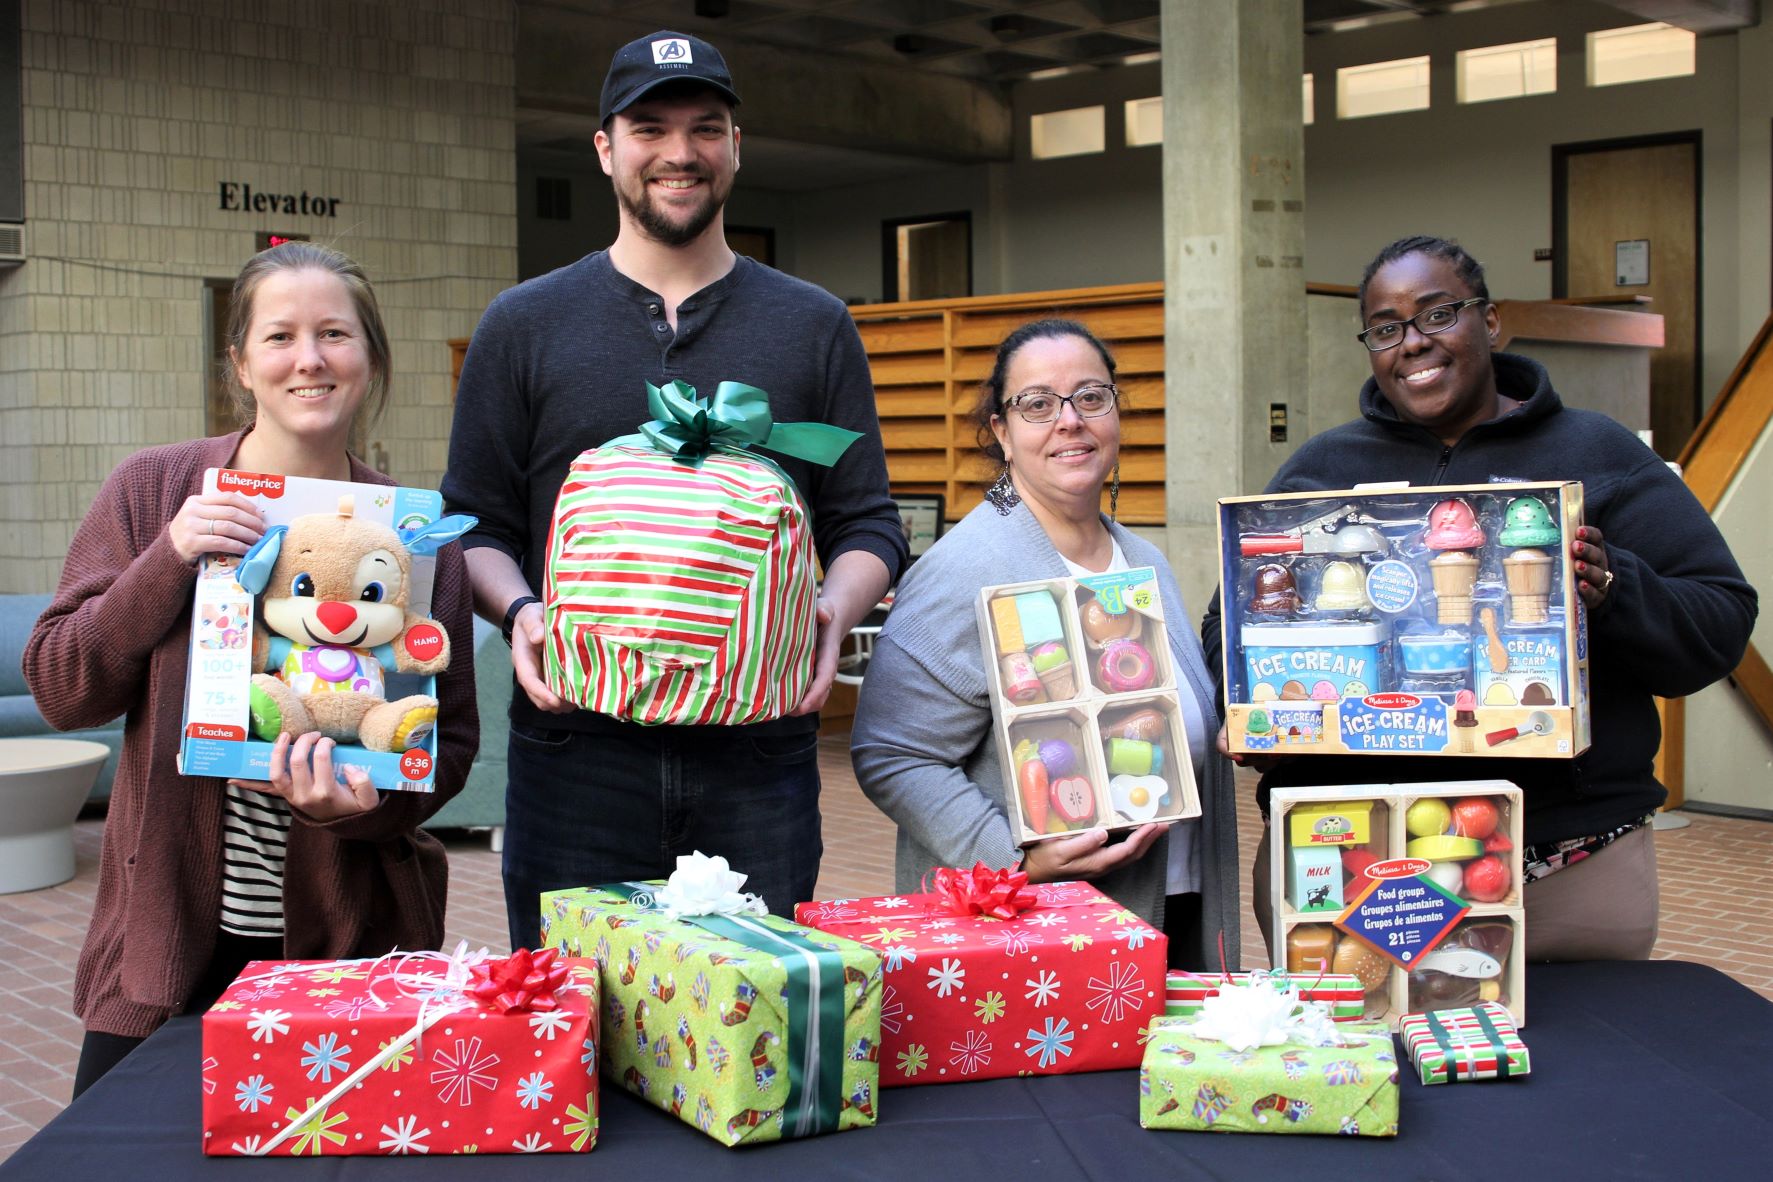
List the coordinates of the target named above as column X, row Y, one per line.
column 560, row 364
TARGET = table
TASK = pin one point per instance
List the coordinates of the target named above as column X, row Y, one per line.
column 1658, row 1069
column 43, row 783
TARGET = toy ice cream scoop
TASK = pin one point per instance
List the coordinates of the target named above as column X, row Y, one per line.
column 1453, row 526
column 1455, row 574
column 1527, row 522
column 1341, row 589
column 1527, row 573
column 1537, row 723
column 1343, row 530
column 1276, row 591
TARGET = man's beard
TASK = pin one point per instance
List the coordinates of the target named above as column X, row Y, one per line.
column 659, row 226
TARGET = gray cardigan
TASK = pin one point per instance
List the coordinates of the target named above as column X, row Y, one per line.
column 923, row 748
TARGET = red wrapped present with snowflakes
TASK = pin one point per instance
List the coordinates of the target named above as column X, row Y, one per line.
column 410, row 1053
column 988, row 975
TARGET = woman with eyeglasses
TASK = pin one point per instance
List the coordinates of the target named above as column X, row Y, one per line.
column 923, row 744
column 1668, row 609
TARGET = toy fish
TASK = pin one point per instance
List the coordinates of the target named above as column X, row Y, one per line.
column 1460, row 962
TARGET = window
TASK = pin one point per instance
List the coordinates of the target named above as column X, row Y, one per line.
column 1308, row 91
column 1145, row 121
column 1508, row 71
column 554, row 198
column 1382, row 88
column 1639, row 53
column 1068, row 133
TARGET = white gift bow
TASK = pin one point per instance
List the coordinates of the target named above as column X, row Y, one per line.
column 1267, row 1013
column 706, row 886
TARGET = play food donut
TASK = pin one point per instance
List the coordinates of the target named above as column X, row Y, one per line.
column 1102, row 625
column 1125, row 665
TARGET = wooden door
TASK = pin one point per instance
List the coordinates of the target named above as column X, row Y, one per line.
column 1644, row 193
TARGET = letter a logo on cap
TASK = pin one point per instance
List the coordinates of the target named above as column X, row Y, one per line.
column 673, row 51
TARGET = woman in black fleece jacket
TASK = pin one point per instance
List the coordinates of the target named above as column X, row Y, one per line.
column 1668, row 609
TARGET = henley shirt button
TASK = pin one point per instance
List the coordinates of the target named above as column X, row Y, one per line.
column 654, row 309
column 660, row 327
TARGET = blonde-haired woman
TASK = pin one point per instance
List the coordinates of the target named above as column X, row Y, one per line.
column 198, row 876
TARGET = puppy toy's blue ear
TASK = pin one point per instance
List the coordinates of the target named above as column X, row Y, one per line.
column 433, row 536
column 255, row 568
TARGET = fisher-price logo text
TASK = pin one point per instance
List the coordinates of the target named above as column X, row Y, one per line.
column 253, row 484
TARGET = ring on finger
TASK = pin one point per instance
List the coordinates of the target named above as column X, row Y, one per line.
column 209, row 525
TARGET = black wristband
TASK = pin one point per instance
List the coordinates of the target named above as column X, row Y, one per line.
column 517, row 605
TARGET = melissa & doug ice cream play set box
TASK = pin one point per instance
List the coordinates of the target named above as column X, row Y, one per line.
column 1410, row 621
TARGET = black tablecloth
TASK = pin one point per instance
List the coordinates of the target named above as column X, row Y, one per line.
column 1658, row 1069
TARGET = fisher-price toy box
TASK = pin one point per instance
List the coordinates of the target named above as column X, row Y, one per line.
column 1083, row 697
column 357, row 625
column 1413, row 889
column 1409, row 621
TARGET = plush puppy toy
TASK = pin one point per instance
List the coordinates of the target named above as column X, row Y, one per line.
column 334, row 613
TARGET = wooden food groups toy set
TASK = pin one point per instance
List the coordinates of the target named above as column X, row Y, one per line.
column 323, row 626
column 1415, row 889
column 1089, row 728
column 1433, row 621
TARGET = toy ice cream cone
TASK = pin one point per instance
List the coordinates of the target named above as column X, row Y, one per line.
column 1455, row 573
column 1528, row 576
column 1053, row 665
column 1060, row 682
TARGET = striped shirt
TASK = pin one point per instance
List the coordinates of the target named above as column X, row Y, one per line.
column 255, row 831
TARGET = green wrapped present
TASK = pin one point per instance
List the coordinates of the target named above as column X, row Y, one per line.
column 751, row 1028
column 1189, row 1082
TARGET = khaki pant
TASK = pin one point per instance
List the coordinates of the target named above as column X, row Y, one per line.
column 1602, row 908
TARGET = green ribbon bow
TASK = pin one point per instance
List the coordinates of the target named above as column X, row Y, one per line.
column 814, row 1006
column 687, row 428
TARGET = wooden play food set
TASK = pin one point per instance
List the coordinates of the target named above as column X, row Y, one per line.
column 1415, row 889
column 1083, row 700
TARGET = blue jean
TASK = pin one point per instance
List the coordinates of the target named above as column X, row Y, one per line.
column 582, row 809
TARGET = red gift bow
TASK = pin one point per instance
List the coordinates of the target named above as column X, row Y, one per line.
column 521, row 982
column 1000, row 894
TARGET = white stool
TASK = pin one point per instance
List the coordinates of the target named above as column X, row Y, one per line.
column 43, row 783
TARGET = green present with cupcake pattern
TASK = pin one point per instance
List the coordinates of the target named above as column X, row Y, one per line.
column 747, row 1026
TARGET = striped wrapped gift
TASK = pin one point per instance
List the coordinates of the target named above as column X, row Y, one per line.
column 1478, row 1042
column 1342, row 994
column 681, row 581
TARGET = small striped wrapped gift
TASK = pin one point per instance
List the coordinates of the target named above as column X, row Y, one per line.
column 1340, row 993
column 1479, row 1042
column 681, row 585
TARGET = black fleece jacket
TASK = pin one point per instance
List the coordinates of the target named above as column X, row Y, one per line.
column 1678, row 616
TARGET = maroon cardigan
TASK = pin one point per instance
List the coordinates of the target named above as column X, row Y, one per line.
column 116, row 640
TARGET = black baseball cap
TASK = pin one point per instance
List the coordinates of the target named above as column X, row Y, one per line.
column 661, row 58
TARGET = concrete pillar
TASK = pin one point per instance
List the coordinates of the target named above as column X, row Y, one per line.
column 1234, row 280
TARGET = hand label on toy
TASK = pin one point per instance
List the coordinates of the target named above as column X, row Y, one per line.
column 416, row 764
column 424, row 642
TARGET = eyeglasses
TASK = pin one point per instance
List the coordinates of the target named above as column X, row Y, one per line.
column 1043, row 406
column 1429, row 321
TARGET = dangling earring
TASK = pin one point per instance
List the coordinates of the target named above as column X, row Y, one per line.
column 1002, row 494
column 1114, row 493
